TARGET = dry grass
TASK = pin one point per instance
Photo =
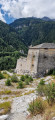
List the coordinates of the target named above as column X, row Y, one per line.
column 5, row 98
column 6, row 92
column 29, row 92
column 9, row 92
column 17, row 74
column 38, row 106
column 6, row 75
column 49, row 112
column 5, row 107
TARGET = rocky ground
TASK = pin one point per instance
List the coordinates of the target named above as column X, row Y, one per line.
column 20, row 104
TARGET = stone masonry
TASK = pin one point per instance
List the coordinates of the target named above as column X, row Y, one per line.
column 40, row 60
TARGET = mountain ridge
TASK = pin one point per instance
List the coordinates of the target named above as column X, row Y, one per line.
column 35, row 31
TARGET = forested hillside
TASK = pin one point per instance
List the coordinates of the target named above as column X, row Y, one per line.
column 35, row 31
column 9, row 39
column 10, row 45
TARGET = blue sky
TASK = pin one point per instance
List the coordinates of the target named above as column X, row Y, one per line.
column 15, row 9
column 6, row 17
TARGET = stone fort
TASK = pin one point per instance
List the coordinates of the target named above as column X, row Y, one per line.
column 40, row 60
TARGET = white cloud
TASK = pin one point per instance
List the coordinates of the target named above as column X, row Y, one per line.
column 28, row 8
column 2, row 17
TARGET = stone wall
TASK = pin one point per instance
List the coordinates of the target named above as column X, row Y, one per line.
column 32, row 61
column 37, row 63
column 21, row 66
column 46, row 61
column 28, row 65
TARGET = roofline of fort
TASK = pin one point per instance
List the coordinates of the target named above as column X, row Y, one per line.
column 40, row 48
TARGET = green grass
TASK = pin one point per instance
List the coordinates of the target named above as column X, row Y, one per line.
column 5, row 92
column 6, row 75
column 6, row 106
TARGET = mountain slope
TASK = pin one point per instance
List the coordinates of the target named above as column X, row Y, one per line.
column 9, row 39
column 10, row 44
column 35, row 31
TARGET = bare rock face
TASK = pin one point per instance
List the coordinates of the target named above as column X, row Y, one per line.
column 3, row 117
column 16, row 116
column 53, row 118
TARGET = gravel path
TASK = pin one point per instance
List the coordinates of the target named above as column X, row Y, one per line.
column 20, row 106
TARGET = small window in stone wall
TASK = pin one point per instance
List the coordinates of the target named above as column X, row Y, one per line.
column 33, row 56
column 32, row 65
column 45, row 57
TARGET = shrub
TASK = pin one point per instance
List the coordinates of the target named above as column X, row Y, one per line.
column 22, row 78
column 27, row 81
column 1, row 76
column 50, row 72
column 42, row 82
column 20, row 85
column 53, row 72
column 30, row 79
column 37, row 106
column 26, row 76
column 14, row 78
column 8, row 82
column 40, row 87
column 49, row 92
column 31, row 107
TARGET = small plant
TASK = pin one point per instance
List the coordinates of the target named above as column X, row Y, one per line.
column 14, row 78
column 27, row 81
column 42, row 82
column 49, row 92
column 30, row 79
column 8, row 82
column 26, row 76
column 36, row 107
column 31, row 107
column 22, row 78
column 40, row 87
column 40, row 90
column 20, row 85
column 1, row 76
column 53, row 72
